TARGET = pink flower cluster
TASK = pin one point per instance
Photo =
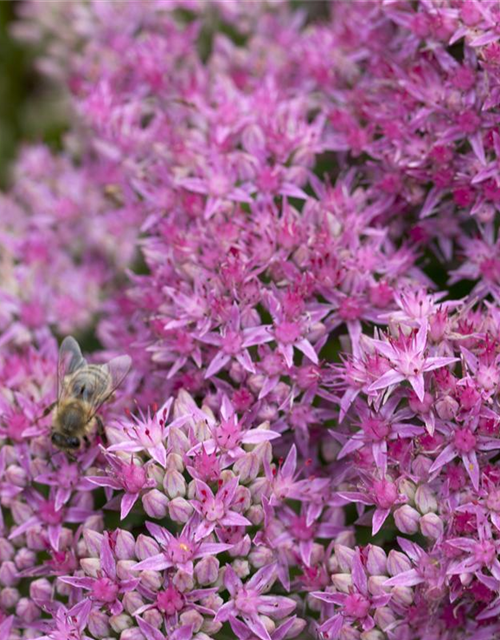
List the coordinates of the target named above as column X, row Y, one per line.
column 288, row 219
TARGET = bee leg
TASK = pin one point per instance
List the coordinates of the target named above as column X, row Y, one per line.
column 100, row 429
column 46, row 411
column 87, row 441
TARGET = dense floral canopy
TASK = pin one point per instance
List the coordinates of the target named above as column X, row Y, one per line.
column 288, row 218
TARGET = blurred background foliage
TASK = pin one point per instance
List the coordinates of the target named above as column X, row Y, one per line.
column 31, row 108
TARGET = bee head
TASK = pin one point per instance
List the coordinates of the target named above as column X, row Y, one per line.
column 65, row 442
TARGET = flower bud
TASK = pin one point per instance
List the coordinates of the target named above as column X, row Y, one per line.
column 298, row 626
column 93, row 540
column 447, row 407
column 317, row 554
column 431, row 526
column 156, row 473
column 384, row 617
column 425, row 500
column 175, row 461
column 9, row 597
column 406, row 519
column 132, row 601
column 183, row 581
column 402, row 595
column 346, row 539
column 132, row 634
column 407, row 488
column 8, row 574
column 94, row 523
column 121, row 622
column 6, row 550
column 155, row 504
column 146, row 546
column 36, row 539
column 247, row 467
column 255, row 514
column 91, row 566
column 420, row 466
column 151, row 579
column 27, row 610
column 41, row 590
column 192, row 617
column 25, row 559
column 16, row 475
column 260, row 556
column 344, row 556
column 98, row 624
column 241, row 548
column 376, row 561
column 207, row 570
column 242, row 499
column 210, row 626
column 124, row 545
column 20, row 511
column 180, row 510
column 153, row 617
column 373, row 634
column 342, row 582
column 125, row 570
column 241, row 568
column 376, row 585
column 174, row 484
column 397, row 563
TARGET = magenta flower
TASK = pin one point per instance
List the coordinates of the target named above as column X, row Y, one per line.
column 383, row 493
column 107, row 588
column 147, row 433
column 248, row 602
column 406, row 355
column 68, row 623
column 230, row 434
column 131, row 478
column 45, row 514
column 355, row 606
column 465, row 442
column 184, row 632
column 233, row 341
column 179, row 551
column 215, row 510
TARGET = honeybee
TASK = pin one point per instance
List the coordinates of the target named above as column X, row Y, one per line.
column 82, row 389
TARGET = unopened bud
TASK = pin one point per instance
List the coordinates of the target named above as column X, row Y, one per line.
column 425, row 500
column 120, row 622
column 431, row 526
column 397, row 563
column 98, row 624
column 124, row 545
column 146, row 546
column 155, row 504
column 174, row 484
column 207, row 570
column 180, row 510
column 342, row 582
column 406, row 519
column 376, row 561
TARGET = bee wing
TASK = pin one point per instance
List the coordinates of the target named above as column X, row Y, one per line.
column 70, row 360
column 115, row 371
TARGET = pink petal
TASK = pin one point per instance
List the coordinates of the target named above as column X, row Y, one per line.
column 128, row 501
column 379, row 517
column 308, row 350
column 446, row 455
column 220, row 361
column 389, row 378
column 405, row 579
